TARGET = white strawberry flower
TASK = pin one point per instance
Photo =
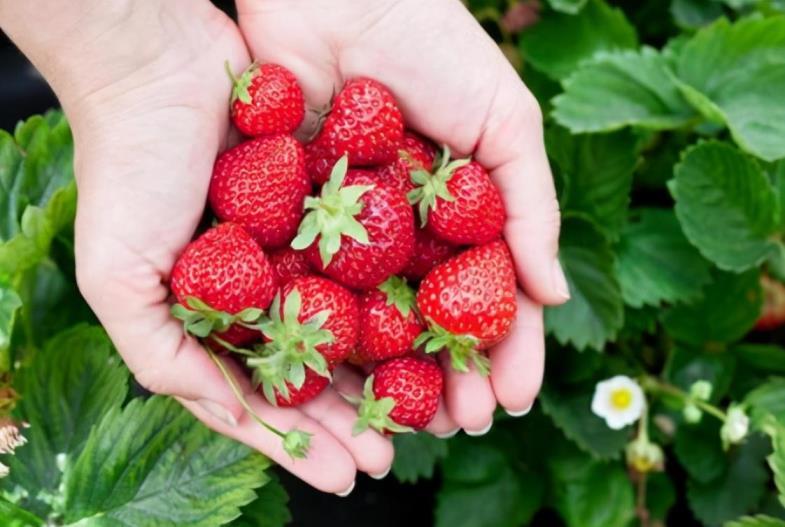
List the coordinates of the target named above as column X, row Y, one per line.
column 619, row 400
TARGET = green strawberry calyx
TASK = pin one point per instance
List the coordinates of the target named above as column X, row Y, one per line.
column 462, row 348
column 430, row 187
column 399, row 294
column 241, row 84
column 291, row 348
column 332, row 215
column 375, row 413
column 201, row 320
column 294, row 442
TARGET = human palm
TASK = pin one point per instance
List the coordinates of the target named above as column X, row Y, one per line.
column 455, row 86
column 148, row 128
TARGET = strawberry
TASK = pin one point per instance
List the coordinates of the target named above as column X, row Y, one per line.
column 388, row 322
column 266, row 100
column 773, row 312
column 289, row 264
column 318, row 163
column 314, row 327
column 313, row 385
column 459, row 202
column 428, row 252
column 221, row 278
column 469, row 304
column 415, row 153
column 261, row 184
column 364, row 123
column 359, row 231
column 401, row 395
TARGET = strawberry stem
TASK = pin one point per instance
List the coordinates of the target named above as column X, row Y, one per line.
column 462, row 348
column 295, row 442
column 430, row 187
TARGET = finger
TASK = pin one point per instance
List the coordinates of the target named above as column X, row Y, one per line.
column 512, row 147
column 328, row 466
column 518, row 362
column 372, row 452
column 469, row 397
column 442, row 425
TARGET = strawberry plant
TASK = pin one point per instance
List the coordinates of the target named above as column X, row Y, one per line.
column 665, row 376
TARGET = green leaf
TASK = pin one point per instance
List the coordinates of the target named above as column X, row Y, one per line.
column 67, row 387
column 569, row 408
column 269, row 509
column 656, row 263
column 726, row 206
column 776, row 459
column 660, row 496
column 629, row 88
column 768, row 358
column 416, row 455
column 591, row 493
column 9, row 305
column 693, row 14
column 14, row 516
column 756, row 521
column 155, row 464
column 595, row 312
column 37, row 191
column 767, row 400
column 737, row 491
column 597, row 173
column 559, row 42
column 699, row 450
column 740, row 69
column 686, row 365
column 727, row 310
column 482, row 488
column 570, row 7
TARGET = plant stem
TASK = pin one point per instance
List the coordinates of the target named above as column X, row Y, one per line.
column 239, row 395
column 655, row 384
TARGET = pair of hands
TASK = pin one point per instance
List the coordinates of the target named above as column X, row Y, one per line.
column 148, row 102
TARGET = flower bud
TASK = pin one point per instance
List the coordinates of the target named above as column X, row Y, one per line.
column 736, row 426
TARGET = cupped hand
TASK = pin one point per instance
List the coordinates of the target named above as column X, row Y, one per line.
column 149, row 119
column 455, row 86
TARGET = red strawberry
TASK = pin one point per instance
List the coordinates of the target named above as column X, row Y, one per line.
column 261, row 184
column 469, row 303
column 773, row 312
column 289, row 264
column 388, row 322
column 459, row 202
column 364, row 123
column 266, row 100
column 314, row 327
column 416, row 153
column 318, row 163
column 221, row 277
column 401, row 395
column 313, row 385
column 429, row 251
column 359, row 232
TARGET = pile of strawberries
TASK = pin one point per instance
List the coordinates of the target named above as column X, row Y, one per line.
column 362, row 246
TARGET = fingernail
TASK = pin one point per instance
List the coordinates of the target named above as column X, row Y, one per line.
column 347, row 491
column 218, row 411
column 560, row 281
column 476, row 433
column 382, row 475
column 520, row 413
column 448, row 435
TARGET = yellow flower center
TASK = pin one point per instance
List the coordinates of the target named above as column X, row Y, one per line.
column 621, row 398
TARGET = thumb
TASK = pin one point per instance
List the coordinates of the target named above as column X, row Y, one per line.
column 513, row 148
column 129, row 299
